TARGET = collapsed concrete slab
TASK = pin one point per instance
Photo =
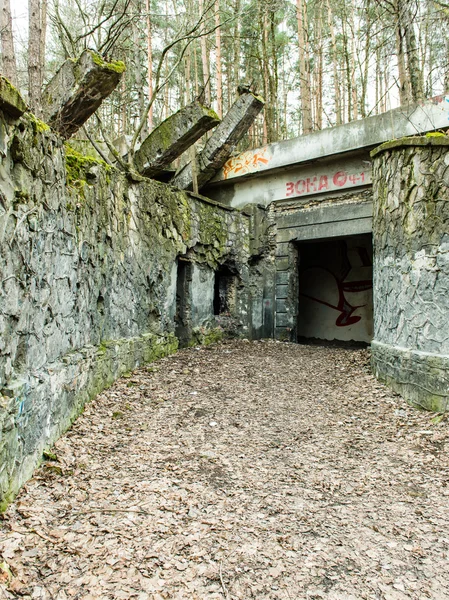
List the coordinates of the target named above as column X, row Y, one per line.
column 173, row 137
column 11, row 101
column 222, row 142
column 77, row 90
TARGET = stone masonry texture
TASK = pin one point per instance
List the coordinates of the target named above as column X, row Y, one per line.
column 411, row 268
column 88, row 267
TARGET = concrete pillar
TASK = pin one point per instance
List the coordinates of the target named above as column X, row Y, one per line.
column 410, row 350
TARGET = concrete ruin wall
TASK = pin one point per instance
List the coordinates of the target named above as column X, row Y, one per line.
column 411, row 268
column 301, row 223
column 88, row 289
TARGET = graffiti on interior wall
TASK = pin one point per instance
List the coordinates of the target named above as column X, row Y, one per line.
column 247, row 162
column 344, row 287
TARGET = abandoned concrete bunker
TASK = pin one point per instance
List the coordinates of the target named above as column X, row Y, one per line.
column 335, row 236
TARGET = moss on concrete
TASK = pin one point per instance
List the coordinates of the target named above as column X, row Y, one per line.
column 11, row 102
column 203, row 337
column 116, row 65
column 422, row 140
column 38, row 125
column 78, row 165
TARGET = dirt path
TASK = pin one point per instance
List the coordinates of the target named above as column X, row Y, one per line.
column 241, row 470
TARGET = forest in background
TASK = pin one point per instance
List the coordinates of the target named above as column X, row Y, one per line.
column 317, row 63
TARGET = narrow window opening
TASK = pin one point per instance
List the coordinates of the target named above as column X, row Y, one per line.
column 225, row 288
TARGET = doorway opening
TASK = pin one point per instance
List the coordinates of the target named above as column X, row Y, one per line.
column 183, row 302
column 225, row 289
column 336, row 289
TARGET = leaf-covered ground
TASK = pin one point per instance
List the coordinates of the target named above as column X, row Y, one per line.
column 240, row 470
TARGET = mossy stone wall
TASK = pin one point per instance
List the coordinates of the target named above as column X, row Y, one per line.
column 88, row 263
column 411, row 268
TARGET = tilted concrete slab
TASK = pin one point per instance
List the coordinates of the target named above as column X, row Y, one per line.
column 365, row 133
column 173, row 137
column 222, row 142
column 11, row 102
column 77, row 90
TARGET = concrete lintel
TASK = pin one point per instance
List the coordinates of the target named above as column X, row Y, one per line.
column 326, row 230
column 364, row 133
column 323, row 178
column 328, row 213
column 77, row 90
column 173, row 137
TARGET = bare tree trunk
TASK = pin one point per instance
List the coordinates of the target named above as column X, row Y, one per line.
column 9, row 66
column 337, row 94
column 218, row 59
column 138, row 74
column 236, row 47
column 304, row 74
column 149, row 63
column 34, row 56
column 205, row 59
column 355, row 112
column 366, row 57
column 413, row 62
column 43, row 39
column 404, row 83
column 319, row 71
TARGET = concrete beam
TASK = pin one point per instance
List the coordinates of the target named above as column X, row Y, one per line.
column 365, row 133
column 222, row 142
column 77, row 90
column 325, row 222
column 173, row 137
column 337, row 174
column 11, row 102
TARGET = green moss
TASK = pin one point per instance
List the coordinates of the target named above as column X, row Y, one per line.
column 10, row 99
column 203, row 337
column 211, row 113
column 47, row 455
column 38, row 125
column 116, row 65
column 77, row 166
column 21, row 196
column 433, row 134
column 421, row 140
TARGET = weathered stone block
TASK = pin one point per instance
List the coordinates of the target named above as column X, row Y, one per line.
column 173, row 137
column 11, row 102
column 77, row 90
column 222, row 142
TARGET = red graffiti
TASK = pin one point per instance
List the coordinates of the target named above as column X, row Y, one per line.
column 346, row 310
column 311, row 185
column 340, row 178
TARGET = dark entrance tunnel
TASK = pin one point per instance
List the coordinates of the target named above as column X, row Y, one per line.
column 335, row 289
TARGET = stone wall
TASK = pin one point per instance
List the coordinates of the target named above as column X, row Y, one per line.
column 88, row 282
column 411, row 268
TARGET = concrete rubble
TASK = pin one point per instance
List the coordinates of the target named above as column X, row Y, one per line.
column 77, row 91
column 173, row 137
column 222, row 142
